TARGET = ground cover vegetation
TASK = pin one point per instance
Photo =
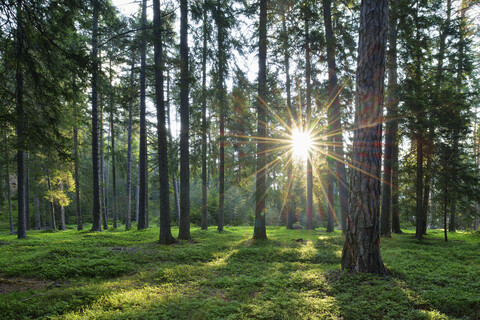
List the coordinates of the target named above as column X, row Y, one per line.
column 295, row 274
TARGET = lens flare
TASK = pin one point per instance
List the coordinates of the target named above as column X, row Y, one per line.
column 301, row 143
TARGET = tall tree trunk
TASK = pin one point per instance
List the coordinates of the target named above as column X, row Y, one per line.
column 36, row 212
column 62, row 212
column 7, row 184
column 143, row 126
column 361, row 251
column 336, row 128
column 22, row 232
column 221, row 101
column 78, row 213
column 128, row 212
column 184, row 229
column 112, row 140
column 103, row 185
column 165, row 231
column 53, row 223
column 259, row 231
column 445, row 201
column 308, row 127
column 419, row 186
column 95, row 160
column 27, row 193
column 391, row 128
column 204, row 123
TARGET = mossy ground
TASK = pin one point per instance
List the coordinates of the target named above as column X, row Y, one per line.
column 120, row 274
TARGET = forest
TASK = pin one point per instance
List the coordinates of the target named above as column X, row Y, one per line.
column 239, row 159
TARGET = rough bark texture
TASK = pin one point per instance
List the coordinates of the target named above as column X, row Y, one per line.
column 259, row 231
column 95, row 163
column 337, row 131
column 361, row 251
column 143, row 127
column 309, row 126
column 165, row 231
column 128, row 211
column 21, row 230
column 204, row 123
column 184, row 228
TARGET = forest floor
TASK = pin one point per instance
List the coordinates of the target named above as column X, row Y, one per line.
column 296, row 274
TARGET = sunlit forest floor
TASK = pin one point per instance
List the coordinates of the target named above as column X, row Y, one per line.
column 120, row 274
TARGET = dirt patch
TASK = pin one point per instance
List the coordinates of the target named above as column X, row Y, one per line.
column 9, row 285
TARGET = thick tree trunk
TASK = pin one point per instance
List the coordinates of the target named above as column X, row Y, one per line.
column 259, row 231
column 128, row 212
column 143, row 126
column 95, row 160
column 221, row 101
column 361, row 251
column 336, row 124
column 308, row 126
column 21, row 231
column 204, row 123
column 165, row 231
column 184, row 229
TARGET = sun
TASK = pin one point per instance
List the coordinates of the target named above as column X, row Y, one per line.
column 301, row 143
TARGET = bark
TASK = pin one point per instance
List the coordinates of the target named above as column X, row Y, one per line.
column 103, row 185
column 95, row 161
column 21, row 231
column 36, row 213
column 78, row 213
column 391, row 128
column 53, row 224
column 337, row 131
column 259, row 231
column 7, row 184
column 308, row 126
column 62, row 212
column 112, row 140
column 204, row 123
column 361, row 251
column 221, row 101
column 27, row 193
column 143, row 127
column 419, row 187
column 165, row 231
column 184, row 229
column 128, row 212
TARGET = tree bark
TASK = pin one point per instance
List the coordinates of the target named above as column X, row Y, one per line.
column 308, row 126
column 78, row 213
column 95, row 160
column 143, row 126
column 112, row 140
column 103, row 185
column 36, row 213
column 27, row 193
column 259, row 231
column 128, row 212
column 184, row 229
column 7, row 184
column 62, row 212
column 53, row 223
column 165, row 231
column 204, row 123
column 361, row 251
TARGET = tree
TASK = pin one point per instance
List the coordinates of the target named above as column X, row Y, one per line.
column 184, row 228
column 204, row 120
column 128, row 212
column 361, row 251
column 259, row 231
column 165, row 232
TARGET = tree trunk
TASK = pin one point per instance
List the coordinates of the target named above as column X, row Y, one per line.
column 128, row 212
column 143, row 126
column 221, row 101
column 112, row 140
column 165, row 231
column 36, row 213
column 103, row 185
column 27, row 193
column 7, row 184
column 184, row 229
column 361, row 251
column 336, row 128
column 308, row 127
column 204, row 123
column 78, row 213
column 62, row 212
column 419, row 187
column 95, row 160
column 259, row 231
column 22, row 232
column 53, row 224
column 391, row 128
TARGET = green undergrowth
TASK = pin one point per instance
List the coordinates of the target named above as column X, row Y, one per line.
column 295, row 274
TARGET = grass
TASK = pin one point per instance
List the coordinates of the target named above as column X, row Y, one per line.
column 295, row 274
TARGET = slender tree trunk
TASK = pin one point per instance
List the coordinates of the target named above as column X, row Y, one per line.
column 78, row 213
column 112, row 140
column 36, row 212
column 128, row 212
column 221, row 101
column 259, row 231
column 27, row 193
column 310, row 225
column 165, row 231
column 361, row 251
column 337, row 130
column 7, row 184
column 53, row 224
column 103, row 185
column 445, row 201
column 391, row 128
column 62, row 212
column 204, row 123
column 184, row 229
column 143, row 126
column 95, row 160
column 22, row 232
